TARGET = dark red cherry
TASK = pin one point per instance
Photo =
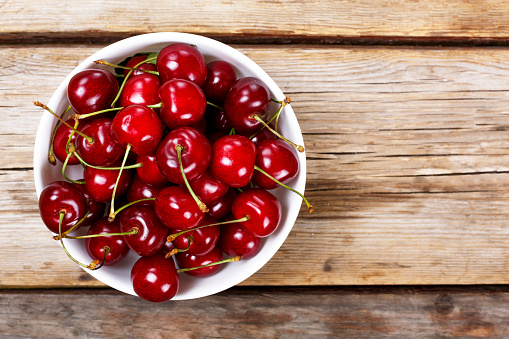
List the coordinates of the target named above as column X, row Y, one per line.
column 92, row 90
column 135, row 61
column 201, row 126
column 62, row 196
column 208, row 188
column 233, row 159
column 138, row 126
column 199, row 241
column 116, row 243
column 96, row 208
column 142, row 90
column 184, row 103
column 181, row 61
column 196, row 154
column 247, row 97
column 236, row 240
column 262, row 208
column 141, row 190
column 264, row 134
column 215, row 136
column 277, row 159
column 220, row 78
column 104, row 150
column 168, row 247
column 155, row 278
column 185, row 260
column 100, row 182
column 60, row 142
column 149, row 172
column 177, row 209
column 223, row 207
column 216, row 120
column 151, row 235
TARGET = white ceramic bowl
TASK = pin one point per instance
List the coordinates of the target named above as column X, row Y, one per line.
column 231, row 274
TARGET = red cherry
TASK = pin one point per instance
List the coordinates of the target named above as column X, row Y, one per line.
column 236, row 240
column 62, row 196
column 140, row 190
column 155, row 278
column 199, row 241
column 100, row 182
column 151, row 235
column 143, row 89
column 60, row 143
column 215, row 136
column 223, row 207
column 167, row 248
column 220, row 78
column 201, row 126
column 277, row 159
column 138, row 126
column 104, row 150
column 177, row 209
column 184, row 103
column 92, row 90
column 208, row 188
column 233, row 159
column 149, row 172
column 96, row 209
column 135, row 61
column 262, row 208
column 264, row 134
column 181, row 61
column 185, row 260
column 216, row 120
column 116, row 243
column 196, row 154
column 247, row 97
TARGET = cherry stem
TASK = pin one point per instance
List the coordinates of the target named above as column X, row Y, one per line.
column 275, row 116
column 39, row 104
column 56, row 237
column 237, row 258
column 83, row 116
column 133, row 231
column 94, row 264
column 65, row 176
column 112, row 214
column 232, row 131
column 51, row 157
column 201, row 205
column 103, row 62
column 130, row 204
column 127, row 77
column 172, row 237
column 310, row 207
column 178, row 250
column 214, row 105
column 84, row 163
column 260, row 120
column 286, row 101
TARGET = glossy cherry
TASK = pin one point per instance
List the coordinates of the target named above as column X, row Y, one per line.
column 141, row 190
column 177, row 209
column 116, row 243
column 92, row 90
column 196, row 154
column 101, row 182
column 262, row 208
column 59, row 144
column 104, row 150
column 155, row 278
column 249, row 96
column 220, row 78
column 208, row 188
column 149, row 171
column 233, row 159
column 62, row 196
column 185, row 260
column 277, row 159
column 236, row 240
column 151, row 234
column 201, row 240
column 142, row 90
column 184, row 103
column 181, row 61
column 223, row 207
column 96, row 209
column 145, row 66
column 138, row 126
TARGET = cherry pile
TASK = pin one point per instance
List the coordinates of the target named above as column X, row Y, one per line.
column 178, row 161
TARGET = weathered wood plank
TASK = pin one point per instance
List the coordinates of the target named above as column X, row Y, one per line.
column 324, row 20
column 407, row 165
column 255, row 313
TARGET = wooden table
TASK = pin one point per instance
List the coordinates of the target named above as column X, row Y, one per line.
column 404, row 107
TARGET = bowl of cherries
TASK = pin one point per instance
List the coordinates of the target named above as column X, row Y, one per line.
column 169, row 166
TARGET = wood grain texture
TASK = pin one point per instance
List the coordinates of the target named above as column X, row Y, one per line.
column 407, row 165
column 92, row 19
column 267, row 313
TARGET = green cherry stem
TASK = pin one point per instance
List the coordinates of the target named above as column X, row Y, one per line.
column 51, row 156
column 237, row 258
column 260, row 120
column 133, row 230
column 214, row 105
column 172, row 237
column 56, row 237
column 232, row 131
column 65, row 176
column 275, row 116
column 103, row 62
column 84, row 163
column 112, row 214
column 132, row 203
column 83, row 116
column 201, row 205
column 310, row 207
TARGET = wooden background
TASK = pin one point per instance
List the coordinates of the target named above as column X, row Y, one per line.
column 404, row 107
